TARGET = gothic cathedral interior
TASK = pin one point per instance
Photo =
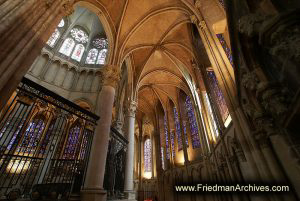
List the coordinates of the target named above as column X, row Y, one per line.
column 149, row 100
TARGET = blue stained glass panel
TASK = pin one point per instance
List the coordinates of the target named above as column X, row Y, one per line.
column 72, row 142
column 177, row 129
column 218, row 95
column 166, row 137
column 193, row 123
column 172, row 143
column 225, row 47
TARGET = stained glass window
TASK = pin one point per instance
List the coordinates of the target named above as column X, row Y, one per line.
column 166, row 137
column 72, row 142
column 185, row 134
column 101, row 56
column 193, row 123
column 225, row 47
column 61, row 23
column 172, row 135
column 46, row 139
column 162, row 158
column 218, row 95
column 78, row 52
column 92, row 56
column 53, row 38
column 67, row 47
column 177, row 129
column 79, row 35
column 100, row 43
column 147, row 156
column 32, row 136
column 211, row 116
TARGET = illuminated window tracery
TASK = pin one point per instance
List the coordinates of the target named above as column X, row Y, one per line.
column 225, row 47
column 92, row 56
column 79, row 35
column 177, row 128
column 78, row 52
column 67, row 47
column 53, row 38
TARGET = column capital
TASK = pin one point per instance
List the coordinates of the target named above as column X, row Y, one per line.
column 111, row 75
column 68, row 7
column 194, row 19
column 132, row 108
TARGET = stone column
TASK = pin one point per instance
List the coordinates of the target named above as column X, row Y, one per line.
column 128, row 186
column 93, row 186
column 35, row 22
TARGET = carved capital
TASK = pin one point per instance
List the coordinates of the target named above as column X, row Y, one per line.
column 111, row 75
column 132, row 106
column 250, row 80
column 194, row 19
column 250, row 24
column 68, row 7
column 272, row 98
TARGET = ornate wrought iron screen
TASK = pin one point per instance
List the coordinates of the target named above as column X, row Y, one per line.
column 115, row 165
column 44, row 141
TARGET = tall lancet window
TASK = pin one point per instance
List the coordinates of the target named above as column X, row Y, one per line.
column 53, row 38
column 193, row 123
column 97, row 54
column 177, row 129
column 147, row 157
column 172, row 136
column 72, row 142
column 78, row 52
column 67, row 47
column 92, row 56
column 225, row 47
column 166, row 137
column 56, row 34
column 218, row 96
column 101, row 56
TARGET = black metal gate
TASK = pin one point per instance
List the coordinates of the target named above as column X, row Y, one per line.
column 115, row 165
column 44, row 142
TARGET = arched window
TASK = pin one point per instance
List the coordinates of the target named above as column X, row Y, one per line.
column 67, row 47
column 162, row 158
column 166, row 137
column 172, row 143
column 101, row 56
column 218, row 96
column 32, row 136
column 92, row 56
column 147, row 156
column 72, row 142
column 193, row 123
column 53, row 38
column 78, row 52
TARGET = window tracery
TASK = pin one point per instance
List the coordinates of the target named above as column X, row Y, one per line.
column 147, row 156
column 79, row 35
column 193, row 123
column 100, row 43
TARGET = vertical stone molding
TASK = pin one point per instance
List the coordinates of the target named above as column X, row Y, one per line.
column 129, row 186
